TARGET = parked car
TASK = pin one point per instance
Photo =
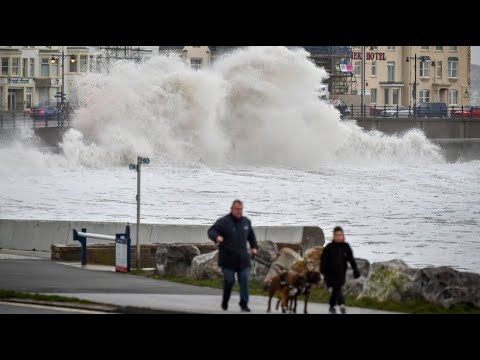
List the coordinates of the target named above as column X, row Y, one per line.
column 392, row 111
column 469, row 111
column 44, row 112
column 432, row 110
column 405, row 113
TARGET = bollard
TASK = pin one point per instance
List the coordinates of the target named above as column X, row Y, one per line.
column 83, row 242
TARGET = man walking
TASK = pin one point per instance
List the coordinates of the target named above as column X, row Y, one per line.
column 231, row 233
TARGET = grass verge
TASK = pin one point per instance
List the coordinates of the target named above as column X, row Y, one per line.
column 414, row 306
column 11, row 294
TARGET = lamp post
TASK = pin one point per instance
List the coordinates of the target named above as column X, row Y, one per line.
column 414, row 85
column 53, row 60
column 363, row 83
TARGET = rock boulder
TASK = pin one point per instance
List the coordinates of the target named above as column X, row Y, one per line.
column 284, row 261
column 206, row 267
column 446, row 286
column 389, row 280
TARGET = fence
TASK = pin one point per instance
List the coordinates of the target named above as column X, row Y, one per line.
column 12, row 120
column 397, row 111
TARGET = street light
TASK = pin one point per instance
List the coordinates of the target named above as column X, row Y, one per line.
column 414, row 85
column 53, row 60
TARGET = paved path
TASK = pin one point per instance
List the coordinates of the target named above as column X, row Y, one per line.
column 14, row 308
column 32, row 275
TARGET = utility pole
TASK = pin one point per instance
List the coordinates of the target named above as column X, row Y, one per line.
column 138, row 167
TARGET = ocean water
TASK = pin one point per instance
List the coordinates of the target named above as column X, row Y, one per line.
column 251, row 127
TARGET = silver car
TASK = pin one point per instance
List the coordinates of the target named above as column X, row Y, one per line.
column 392, row 112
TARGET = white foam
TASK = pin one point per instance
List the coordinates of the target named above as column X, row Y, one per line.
column 256, row 106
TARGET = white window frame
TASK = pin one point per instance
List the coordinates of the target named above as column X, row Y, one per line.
column 16, row 60
column 439, row 69
column 453, row 48
column 5, row 69
column 438, row 48
column 374, row 68
column 391, row 64
column 357, row 66
column 424, row 48
column 453, row 97
column 45, row 64
column 424, row 96
column 373, row 95
column 452, row 70
column 390, row 47
column 24, row 67
column 83, row 65
column 196, row 63
column 425, row 69
column 31, row 67
column 386, row 96
column 396, row 101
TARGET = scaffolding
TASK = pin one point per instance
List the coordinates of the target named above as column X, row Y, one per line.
column 335, row 60
column 123, row 52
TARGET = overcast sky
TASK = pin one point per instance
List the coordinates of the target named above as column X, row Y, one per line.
column 476, row 55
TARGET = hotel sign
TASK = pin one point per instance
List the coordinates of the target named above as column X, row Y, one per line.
column 14, row 80
column 369, row 55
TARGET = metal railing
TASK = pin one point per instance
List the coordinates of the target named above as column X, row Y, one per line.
column 12, row 120
column 408, row 112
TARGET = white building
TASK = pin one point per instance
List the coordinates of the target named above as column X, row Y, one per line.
column 32, row 75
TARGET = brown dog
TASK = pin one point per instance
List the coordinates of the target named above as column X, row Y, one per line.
column 311, row 278
column 287, row 284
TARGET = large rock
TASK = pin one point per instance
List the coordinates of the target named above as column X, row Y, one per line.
column 284, row 261
column 312, row 237
column 206, row 267
column 300, row 266
column 354, row 287
column 176, row 258
column 267, row 251
column 310, row 262
column 446, row 286
column 389, row 280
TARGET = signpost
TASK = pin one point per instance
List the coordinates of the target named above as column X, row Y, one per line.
column 138, row 167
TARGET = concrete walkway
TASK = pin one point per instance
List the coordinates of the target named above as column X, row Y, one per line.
column 100, row 284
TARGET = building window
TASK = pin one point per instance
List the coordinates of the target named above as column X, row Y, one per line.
column 15, row 66
column 45, row 67
column 391, row 70
column 73, row 65
column 373, row 47
column 438, row 48
column 358, row 68
column 439, row 69
column 4, row 66
column 196, row 63
column 453, row 48
column 28, row 98
column 424, row 69
column 424, row 47
column 424, row 96
column 452, row 68
column 374, row 68
column 55, row 68
column 453, row 97
column 386, row 96
column 25, row 67
column 390, row 47
column 32, row 67
column 83, row 63
column 373, row 96
column 395, row 96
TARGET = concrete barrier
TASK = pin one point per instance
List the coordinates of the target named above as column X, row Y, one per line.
column 40, row 235
column 448, row 128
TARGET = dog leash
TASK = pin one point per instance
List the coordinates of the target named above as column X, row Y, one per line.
column 268, row 264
